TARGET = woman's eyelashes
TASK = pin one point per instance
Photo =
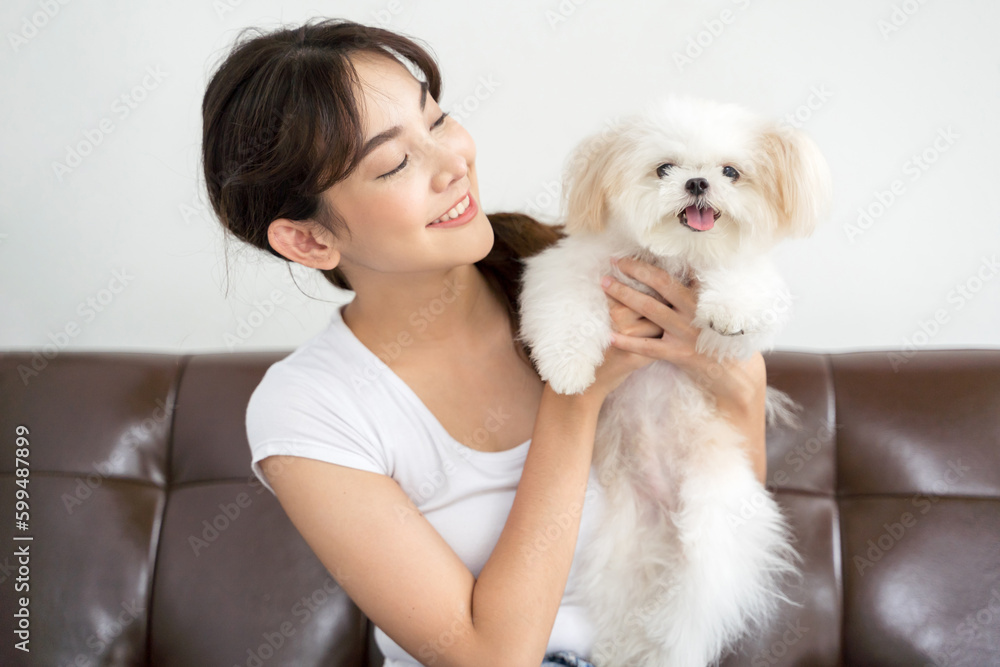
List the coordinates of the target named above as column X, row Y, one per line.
column 401, row 165
column 439, row 121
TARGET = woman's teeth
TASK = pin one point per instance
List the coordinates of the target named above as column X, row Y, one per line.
column 458, row 210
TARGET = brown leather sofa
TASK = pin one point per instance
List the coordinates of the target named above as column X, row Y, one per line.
column 152, row 544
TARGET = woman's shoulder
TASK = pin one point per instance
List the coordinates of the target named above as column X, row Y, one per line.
column 328, row 359
column 306, row 401
column 316, row 378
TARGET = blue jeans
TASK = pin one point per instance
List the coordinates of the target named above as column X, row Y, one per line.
column 567, row 658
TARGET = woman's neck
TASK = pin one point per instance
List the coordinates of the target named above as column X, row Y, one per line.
column 456, row 310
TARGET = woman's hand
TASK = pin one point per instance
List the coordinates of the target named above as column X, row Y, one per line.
column 649, row 327
column 618, row 363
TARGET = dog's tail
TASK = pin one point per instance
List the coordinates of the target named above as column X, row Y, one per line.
column 781, row 410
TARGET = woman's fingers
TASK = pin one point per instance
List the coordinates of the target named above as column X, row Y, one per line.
column 667, row 348
column 682, row 298
column 627, row 321
column 734, row 383
column 672, row 318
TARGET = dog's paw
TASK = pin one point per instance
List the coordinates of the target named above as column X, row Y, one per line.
column 725, row 320
column 567, row 358
column 571, row 378
column 722, row 347
column 569, row 369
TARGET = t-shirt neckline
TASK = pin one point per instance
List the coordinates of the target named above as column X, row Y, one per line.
column 512, row 453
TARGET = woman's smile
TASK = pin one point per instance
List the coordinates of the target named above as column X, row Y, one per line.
column 458, row 215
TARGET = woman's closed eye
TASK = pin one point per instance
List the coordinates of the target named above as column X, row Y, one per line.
column 438, row 122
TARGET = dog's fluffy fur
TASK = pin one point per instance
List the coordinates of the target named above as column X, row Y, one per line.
column 692, row 552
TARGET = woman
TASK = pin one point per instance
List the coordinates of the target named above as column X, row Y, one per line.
column 412, row 478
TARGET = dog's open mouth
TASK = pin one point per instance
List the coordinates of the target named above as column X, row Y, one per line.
column 699, row 219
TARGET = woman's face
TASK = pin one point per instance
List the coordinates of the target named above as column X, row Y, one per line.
column 421, row 164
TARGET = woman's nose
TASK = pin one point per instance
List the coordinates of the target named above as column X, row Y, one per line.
column 452, row 165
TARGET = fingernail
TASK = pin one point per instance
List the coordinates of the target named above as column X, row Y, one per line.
column 605, row 281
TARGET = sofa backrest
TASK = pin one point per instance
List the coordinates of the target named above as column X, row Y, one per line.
column 151, row 543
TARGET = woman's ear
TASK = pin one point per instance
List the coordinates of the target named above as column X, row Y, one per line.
column 586, row 185
column 798, row 179
column 307, row 243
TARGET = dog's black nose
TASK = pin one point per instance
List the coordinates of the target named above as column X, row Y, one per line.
column 696, row 186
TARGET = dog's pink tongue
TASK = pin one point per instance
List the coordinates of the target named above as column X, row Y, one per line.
column 700, row 218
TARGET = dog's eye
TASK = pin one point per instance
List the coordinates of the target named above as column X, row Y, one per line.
column 729, row 172
column 662, row 170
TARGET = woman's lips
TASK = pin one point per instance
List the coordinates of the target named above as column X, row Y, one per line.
column 470, row 212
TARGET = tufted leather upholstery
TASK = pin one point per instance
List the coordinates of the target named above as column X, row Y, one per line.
column 154, row 545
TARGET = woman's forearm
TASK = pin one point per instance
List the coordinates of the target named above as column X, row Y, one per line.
column 750, row 421
column 519, row 590
column 743, row 404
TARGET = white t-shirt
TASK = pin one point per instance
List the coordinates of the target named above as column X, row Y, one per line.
column 335, row 400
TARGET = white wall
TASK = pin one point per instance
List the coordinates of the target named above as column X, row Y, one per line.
column 136, row 203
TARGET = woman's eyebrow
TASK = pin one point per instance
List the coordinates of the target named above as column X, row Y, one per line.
column 392, row 132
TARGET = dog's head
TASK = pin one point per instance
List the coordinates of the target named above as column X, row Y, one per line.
column 696, row 178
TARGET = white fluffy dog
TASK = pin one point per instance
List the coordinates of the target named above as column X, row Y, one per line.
column 692, row 551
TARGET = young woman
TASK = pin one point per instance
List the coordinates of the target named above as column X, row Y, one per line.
column 412, row 443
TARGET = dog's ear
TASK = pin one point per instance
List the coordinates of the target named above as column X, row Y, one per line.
column 586, row 185
column 798, row 179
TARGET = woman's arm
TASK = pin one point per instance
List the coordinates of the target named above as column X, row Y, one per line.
column 517, row 595
column 399, row 571
column 741, row 399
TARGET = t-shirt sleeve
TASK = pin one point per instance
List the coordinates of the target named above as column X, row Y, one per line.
column 284, row 417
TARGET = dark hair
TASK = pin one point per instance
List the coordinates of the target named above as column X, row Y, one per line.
column 281, row 125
